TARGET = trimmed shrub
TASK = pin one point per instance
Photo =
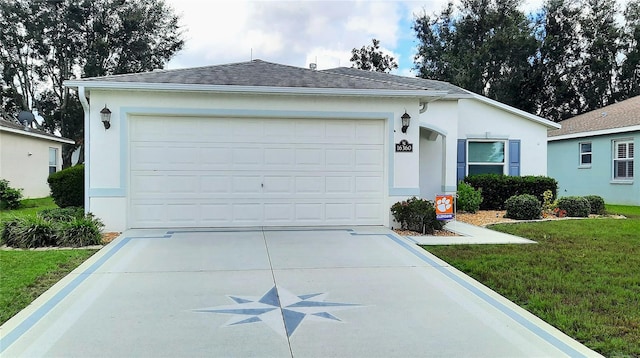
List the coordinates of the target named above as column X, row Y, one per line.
column 596, row 203
column 496, row 189
column 575, row 206
column 523, row 207
column 79, row 232
column 9, row 197
column 62, row 214
column 469, row 199
column 416, row 214
column 67, row 186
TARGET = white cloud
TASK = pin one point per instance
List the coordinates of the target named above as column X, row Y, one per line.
column 298, row 32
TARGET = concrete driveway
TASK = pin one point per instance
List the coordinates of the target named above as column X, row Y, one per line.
column 327, row 292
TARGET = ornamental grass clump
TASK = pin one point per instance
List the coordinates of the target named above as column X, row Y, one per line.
column 523, row 207
column 417, row 215
column 55, row 228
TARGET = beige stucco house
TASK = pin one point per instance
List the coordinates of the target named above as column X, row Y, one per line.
column 28, row 156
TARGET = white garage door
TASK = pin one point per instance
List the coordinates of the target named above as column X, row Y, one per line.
column 218, row 172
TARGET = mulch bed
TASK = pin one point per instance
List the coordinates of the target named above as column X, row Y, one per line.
column 107, row 237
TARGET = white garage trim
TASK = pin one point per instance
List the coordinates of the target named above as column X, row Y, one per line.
column 186, row 171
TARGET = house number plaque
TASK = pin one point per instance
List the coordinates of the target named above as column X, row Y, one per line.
column 404, row 146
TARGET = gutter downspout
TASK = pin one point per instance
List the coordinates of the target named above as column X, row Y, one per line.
column 87, row 151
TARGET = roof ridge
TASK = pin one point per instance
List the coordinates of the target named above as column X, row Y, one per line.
column 371, row 79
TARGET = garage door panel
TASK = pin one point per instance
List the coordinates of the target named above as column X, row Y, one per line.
column 279, row 156
column 368, row 132
column 277, row 184
column 368, row 185
column 309, row 212
column 340, row 212
column 368, row 211
column 239, row 172
column 247, row 213
column 215, row 214
column 278, row 213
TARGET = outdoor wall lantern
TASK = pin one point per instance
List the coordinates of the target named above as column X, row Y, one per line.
column 406, row 119
column 105, row 115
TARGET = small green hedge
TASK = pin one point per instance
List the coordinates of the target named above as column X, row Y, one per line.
column 9, row 197
column 575, row 206
column 67, row 186
column 496, row 189
column 469, row 199
column 416, row 214
column 596, row 203
column 523, row 207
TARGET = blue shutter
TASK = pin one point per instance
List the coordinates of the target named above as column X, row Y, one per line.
column 514, row 157
column 462, row 159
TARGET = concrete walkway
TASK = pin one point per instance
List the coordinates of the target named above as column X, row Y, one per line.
column 287, row 292
column 469, row 234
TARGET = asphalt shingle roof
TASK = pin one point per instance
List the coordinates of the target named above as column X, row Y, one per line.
column 13, row 125
column 262, row 73
column 416, row 82
column 618, row 115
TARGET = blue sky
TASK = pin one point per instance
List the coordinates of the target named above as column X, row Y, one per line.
column 298, row 32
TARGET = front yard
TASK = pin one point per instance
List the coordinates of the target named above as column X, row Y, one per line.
column 583, row 276
column 26, row 274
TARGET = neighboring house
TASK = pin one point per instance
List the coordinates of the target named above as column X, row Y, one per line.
column 593, row 153
column 259, row 143
column 28, row 156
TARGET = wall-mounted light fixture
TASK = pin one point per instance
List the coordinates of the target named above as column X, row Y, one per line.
column 105, row 116
column 406, row 119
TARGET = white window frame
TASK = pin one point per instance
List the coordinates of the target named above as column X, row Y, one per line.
column 582, row 154
column 615, row 159
column 505, row 148
column 55, row 164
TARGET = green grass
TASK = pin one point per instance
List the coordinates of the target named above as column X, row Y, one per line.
column 628, row 211
column 25, row 275
column 28, row 207
column 583, row 276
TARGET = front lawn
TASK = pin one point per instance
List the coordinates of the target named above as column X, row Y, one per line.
column 24, row 275
column 583, row 276
column 28, row 207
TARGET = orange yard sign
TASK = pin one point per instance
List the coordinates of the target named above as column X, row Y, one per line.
column 444, row 207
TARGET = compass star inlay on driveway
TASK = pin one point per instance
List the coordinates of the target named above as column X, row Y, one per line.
column 278, row 305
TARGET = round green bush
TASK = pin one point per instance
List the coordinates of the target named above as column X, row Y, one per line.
column 575, row 206
column 416, row 214
column 469, row 199
column 9, row 197
column 523, row 207
column 596, row 203
column 67, row 186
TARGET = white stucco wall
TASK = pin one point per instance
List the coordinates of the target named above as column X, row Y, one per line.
column 441, row 117
column 24, row 162
column 108, row 149
column 478, row 120
column 422, row 172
